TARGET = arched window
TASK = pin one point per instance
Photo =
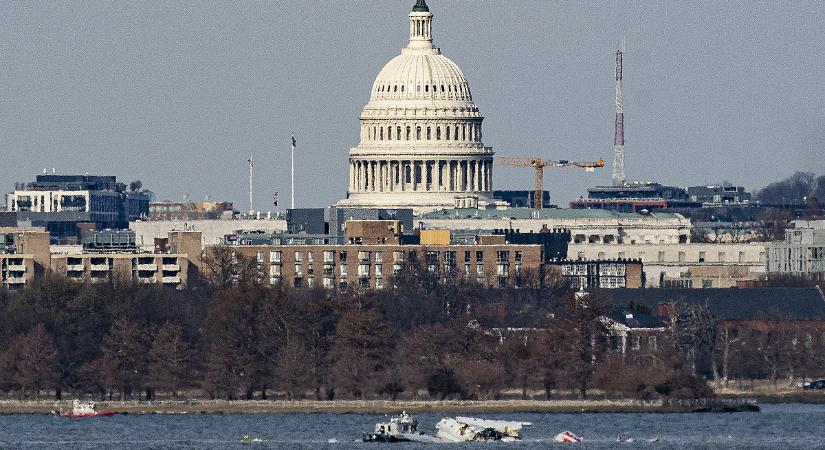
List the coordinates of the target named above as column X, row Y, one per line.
column 426, row 88
column 389, row 133
column 429, row 136
column 417, row 133
column 437, row 133
column 464, row 132
column 456, row 134
column 402, row 88
column 447, row 133
column 435, row 88
column 408, row 133
column 442, row 88
column 407, row 174
column 395, row 88
column 398, row 133
column 381, row 133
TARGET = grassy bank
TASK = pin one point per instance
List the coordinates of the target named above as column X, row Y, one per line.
column 359, row 407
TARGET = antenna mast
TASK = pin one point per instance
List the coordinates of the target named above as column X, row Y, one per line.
column 618, row 131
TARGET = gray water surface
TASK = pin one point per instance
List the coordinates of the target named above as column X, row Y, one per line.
column 776, row 427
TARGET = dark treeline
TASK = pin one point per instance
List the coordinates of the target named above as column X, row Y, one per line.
column 798, row 189
column 421, row 339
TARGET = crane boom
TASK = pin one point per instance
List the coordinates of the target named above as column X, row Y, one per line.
column 538, row 164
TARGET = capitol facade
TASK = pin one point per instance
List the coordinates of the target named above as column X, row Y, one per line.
column 420, row 141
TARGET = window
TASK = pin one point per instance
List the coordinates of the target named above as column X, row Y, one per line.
column 429, row 135
column 274, row 257
column 379, row 257
column 379, row 283
column 661, row 256
column 342, row 257
column 418, row 133
column 701, row 257
column 329, row 256
column 518, row 256
column 297, row 269
column 480, row 269
column 298, row 257
column 681, row 256
column 706, row 284
column 467, row 256
column 398, row 133
column 437, row 133
column 479, row 256
column 398, row 256
column 309, row 258
column 721, row 256
column 259, row 257
column 343, row 270
column 408, row 133
column 447, row 131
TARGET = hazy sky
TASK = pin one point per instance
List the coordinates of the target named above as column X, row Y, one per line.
column 180, row 94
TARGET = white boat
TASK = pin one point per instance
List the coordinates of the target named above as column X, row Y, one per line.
column 400, row 428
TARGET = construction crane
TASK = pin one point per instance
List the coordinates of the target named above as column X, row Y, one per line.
column 539, row 164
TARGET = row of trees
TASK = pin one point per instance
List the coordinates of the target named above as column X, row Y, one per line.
column 422, row 338
column 797, row 189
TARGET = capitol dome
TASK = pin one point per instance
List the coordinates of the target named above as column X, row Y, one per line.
column 421, row 76
column 420, row 141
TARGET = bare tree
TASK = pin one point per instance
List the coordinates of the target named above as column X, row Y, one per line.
column 170, row 358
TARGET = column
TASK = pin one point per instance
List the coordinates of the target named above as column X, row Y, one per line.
column 462, row 175
column 351, row 176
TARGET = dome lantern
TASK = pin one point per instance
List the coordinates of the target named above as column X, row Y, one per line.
column 421, row 28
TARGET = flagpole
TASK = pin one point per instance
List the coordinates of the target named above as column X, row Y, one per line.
column 250, row 186
column 292, row 170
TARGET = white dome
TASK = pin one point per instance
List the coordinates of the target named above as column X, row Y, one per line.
column 421, row 74
column 420, row 143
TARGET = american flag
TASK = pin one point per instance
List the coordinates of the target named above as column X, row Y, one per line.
column 293, row 142
column 454, row 271
column 249, row 161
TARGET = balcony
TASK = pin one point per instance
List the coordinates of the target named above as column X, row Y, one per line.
column 99, row 268
column 16, row 267
column 74, row 268
column 149, row 267
column 171, row 267
column 171, row 280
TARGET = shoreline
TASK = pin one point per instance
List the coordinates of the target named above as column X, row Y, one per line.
column 386, row 406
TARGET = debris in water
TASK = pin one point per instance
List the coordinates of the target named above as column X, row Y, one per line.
column 567, row 437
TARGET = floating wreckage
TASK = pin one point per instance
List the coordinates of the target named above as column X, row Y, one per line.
column 470, row 429
column 247, row 439
column 403, row 428
column 567, row 437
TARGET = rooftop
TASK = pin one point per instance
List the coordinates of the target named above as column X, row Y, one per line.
column 732, row 303
column 539, row 214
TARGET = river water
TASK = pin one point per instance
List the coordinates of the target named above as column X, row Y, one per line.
column 776, row 427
